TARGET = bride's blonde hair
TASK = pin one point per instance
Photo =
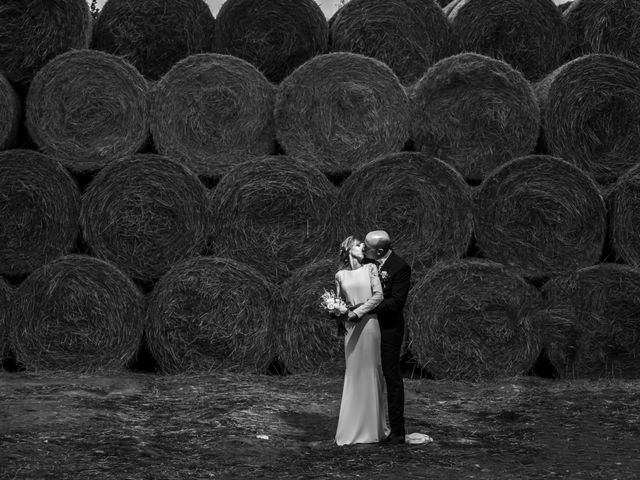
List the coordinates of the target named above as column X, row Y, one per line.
column 345, row 248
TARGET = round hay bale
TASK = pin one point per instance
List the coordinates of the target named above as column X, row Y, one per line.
column 6, row 318
column 475, row 113
column 594, row 329
column 610, row 26
column 473, row 320
column 407, row 35
column 87, row 108
column 32, row 32
column 530, row 35
column 307, row 338
column 423, row 201
column 144, row 213
column 39, row 207
column 623, row 202
column 273, row 213
column 154, row 34
column 274, row 35
column 77, row 313
column 590, row 114
column 210, row 313
column 540, row 215
column 10, row 114
column 211, row 110
column 340, row 110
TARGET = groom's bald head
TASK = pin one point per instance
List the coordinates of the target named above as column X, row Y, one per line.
column 377, row 244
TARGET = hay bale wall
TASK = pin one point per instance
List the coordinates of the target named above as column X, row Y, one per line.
column 210, row 313
column 530, row 35
column 6, row 316
column 32, row 32
column 10, row 114
column 609, row 26
column 472, row 320
column 340, row 110
column 77, row 313
column 590, row 114
column 541, row 215
column 144, row 213
column 421, row 201
column 154, row 34
column 210, row 111
column 273, row 213
column 475, row 113
column 593, row 326
column 407, row 35
column 274, row 35
column 88, row 108
column 39, row 207
column 623, row 205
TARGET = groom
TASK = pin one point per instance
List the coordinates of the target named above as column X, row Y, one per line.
column 395, row 276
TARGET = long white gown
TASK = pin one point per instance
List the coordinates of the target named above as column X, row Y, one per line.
column 363, row 409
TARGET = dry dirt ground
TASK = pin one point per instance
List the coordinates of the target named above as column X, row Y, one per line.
column 145, row 426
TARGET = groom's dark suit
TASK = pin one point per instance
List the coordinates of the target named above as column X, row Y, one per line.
column 395, row 276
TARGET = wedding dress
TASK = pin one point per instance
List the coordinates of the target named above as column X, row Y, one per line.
column 363, row 409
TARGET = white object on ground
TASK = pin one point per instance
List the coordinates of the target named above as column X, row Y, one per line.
column 417, row 438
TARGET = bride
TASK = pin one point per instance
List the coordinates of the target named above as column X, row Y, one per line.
column 363, row 409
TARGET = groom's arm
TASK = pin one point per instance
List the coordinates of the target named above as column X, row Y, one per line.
column 394, row 303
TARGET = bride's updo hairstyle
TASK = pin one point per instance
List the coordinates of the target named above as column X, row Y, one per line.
column 345, row 248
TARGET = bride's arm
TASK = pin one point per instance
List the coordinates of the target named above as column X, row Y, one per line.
column 376, row 288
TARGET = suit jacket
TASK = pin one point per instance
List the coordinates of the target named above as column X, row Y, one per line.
column 395, row 276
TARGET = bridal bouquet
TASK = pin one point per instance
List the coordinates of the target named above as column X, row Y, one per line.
column 332, row 304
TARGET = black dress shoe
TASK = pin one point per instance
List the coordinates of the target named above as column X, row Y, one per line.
column 393, row 440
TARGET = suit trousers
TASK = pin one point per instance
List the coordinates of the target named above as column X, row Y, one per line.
column 391, row 345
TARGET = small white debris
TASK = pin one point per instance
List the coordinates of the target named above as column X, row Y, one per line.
column 263, row 437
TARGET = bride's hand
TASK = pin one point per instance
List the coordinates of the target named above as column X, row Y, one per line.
column 351, row 316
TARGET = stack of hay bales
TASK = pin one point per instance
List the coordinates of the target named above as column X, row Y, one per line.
column 273, row 213
column 593, row 322
column 475, row 113
column 474, row 319
column 623, row 203
column 212, row 111
column 421, row 201
column 154, row 34
column 32, row 32
column 307, row 338
column 407, row 35
column 340, row 110
column 209, row 313
column 144, row 213
column 274, row 35
column 590, row 111
column 10, row 114
column 541, row 215
column 597, row 26
column 39, row 206
column 530, row 35
column 87, row 108
column 77, row 313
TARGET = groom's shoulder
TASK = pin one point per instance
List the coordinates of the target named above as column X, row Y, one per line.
column 400, row 263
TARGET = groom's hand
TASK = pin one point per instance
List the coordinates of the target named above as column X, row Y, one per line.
column 351, row 316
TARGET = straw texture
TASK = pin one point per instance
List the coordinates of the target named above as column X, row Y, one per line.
column 423, row 202
column 144, row 213
column 623, row 205
column 474, row 320
column 77, row 313
column 88, row 108
column 340, row 110
column 407, row 35
column 10, row 114
column 39, row 207
column 541, row 215
column 211, row 313
column 274, row 35
column 590, row 111
column 154, row 34
column 211, row 111
column 32, row 32
column 6, row 316
column 530, row 35
column 593, row 322
column 273, row 213
column 475, row 113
